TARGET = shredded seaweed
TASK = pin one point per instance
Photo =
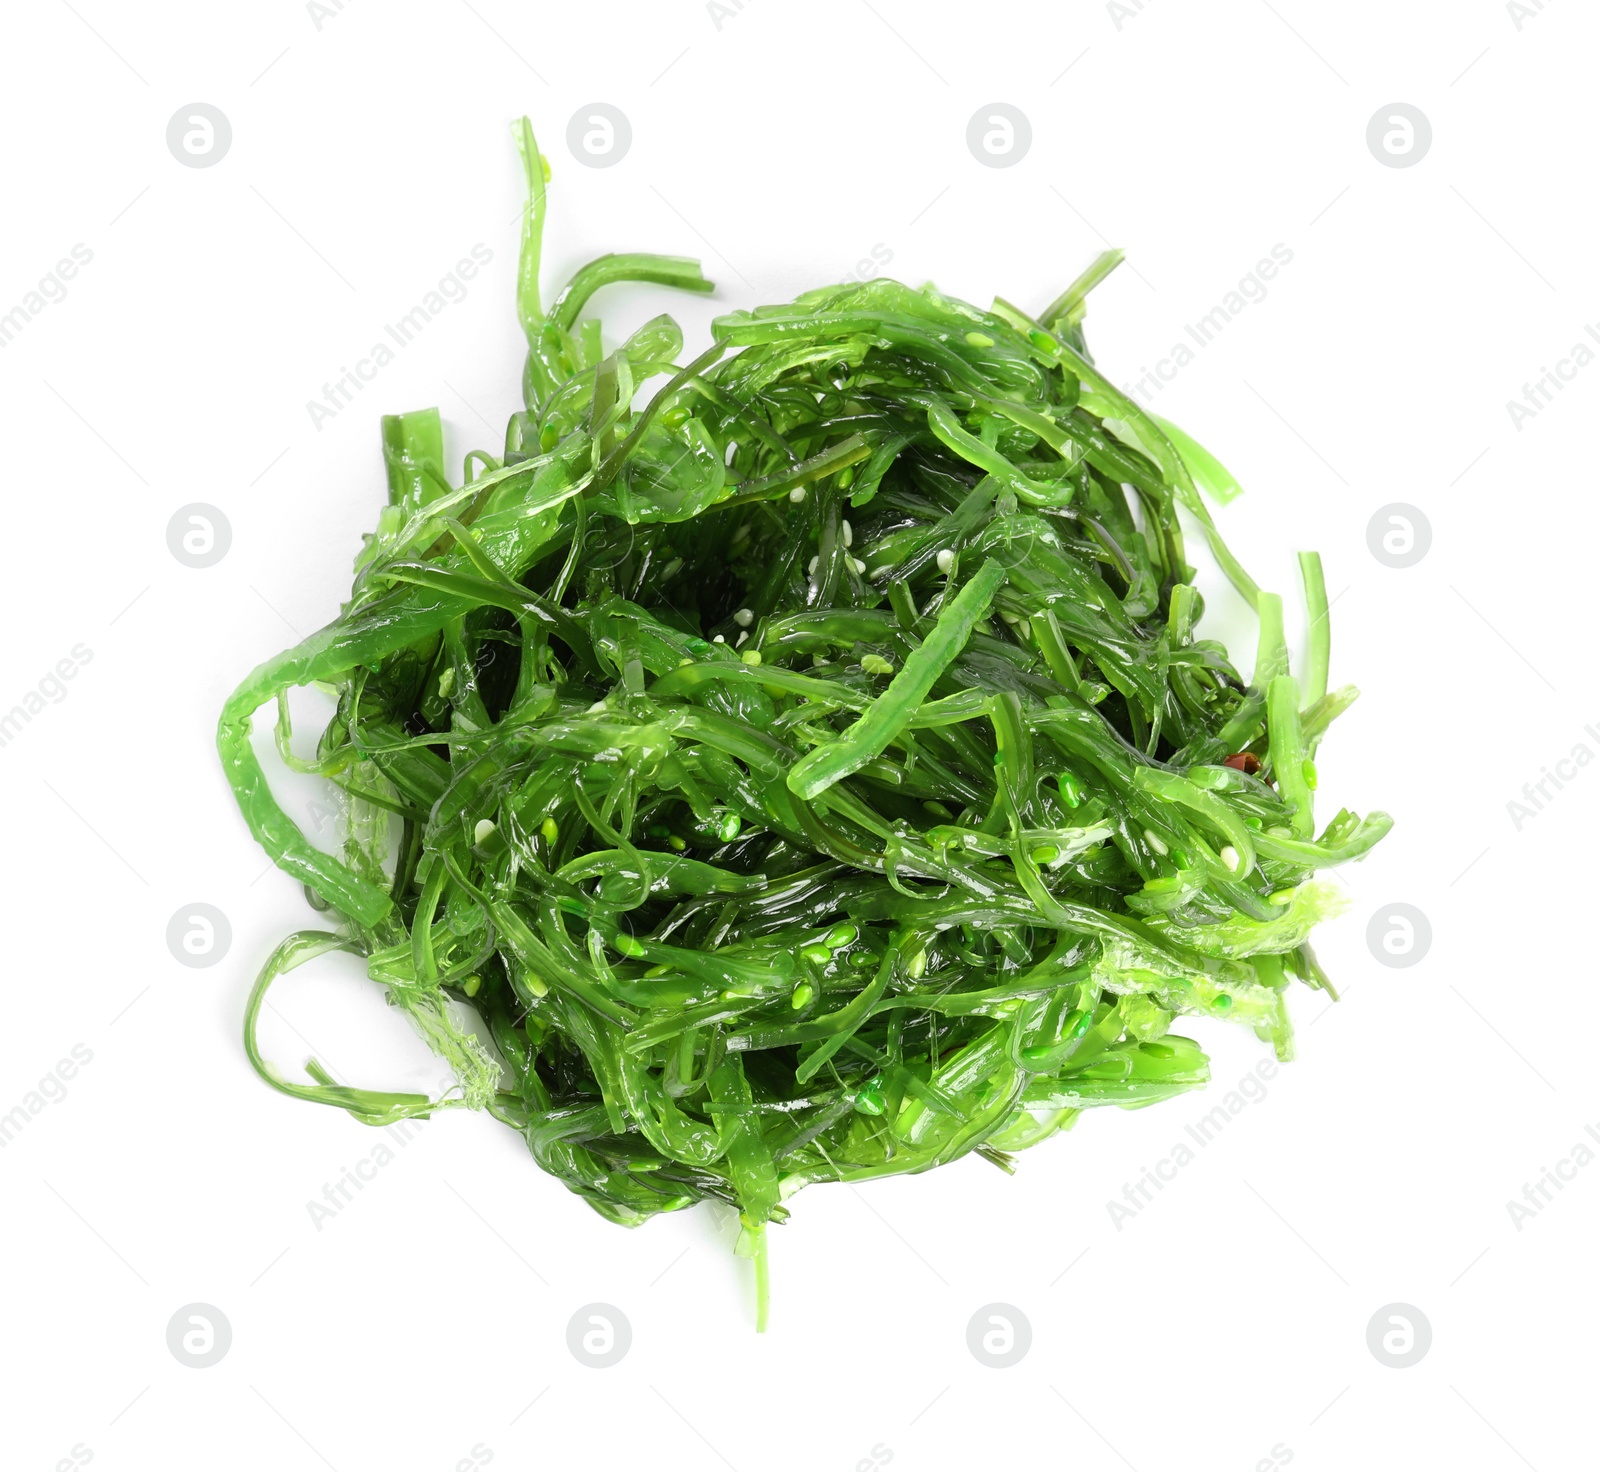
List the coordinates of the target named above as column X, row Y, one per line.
column 809, row 770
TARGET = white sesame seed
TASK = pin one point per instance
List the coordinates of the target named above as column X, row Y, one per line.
column 945, row 560
column 1230, row 856
column 742, row 637
column 859, row 565
column 596, row 708
column 1154, row 840
column 718, row 639
column 797, row 495
column 849, row 536
column 744, row 618
column 811, row 570
column 483, row 829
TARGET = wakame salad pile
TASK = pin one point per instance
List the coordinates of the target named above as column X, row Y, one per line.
column 808, row 770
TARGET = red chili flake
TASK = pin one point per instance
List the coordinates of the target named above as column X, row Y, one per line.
column 1243, row 761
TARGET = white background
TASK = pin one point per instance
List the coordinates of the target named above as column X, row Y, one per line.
column 428, row 1318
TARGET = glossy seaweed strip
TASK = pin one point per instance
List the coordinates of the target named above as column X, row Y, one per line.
column 802, row 758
